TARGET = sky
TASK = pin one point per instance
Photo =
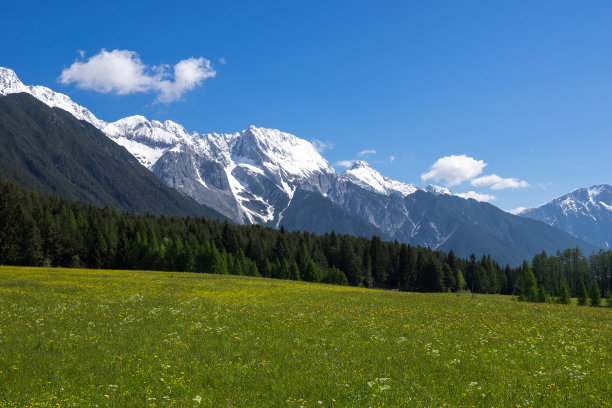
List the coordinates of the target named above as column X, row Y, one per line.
column 507, row 101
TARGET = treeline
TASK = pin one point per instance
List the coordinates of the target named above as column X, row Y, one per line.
column 38, row 229
column 530, row 291
column 572, row 268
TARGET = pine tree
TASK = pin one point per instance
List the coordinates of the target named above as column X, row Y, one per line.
column 582, row 295
column 268, row 271
column 461, row 283
column 527, row 285
column 565, row 294
column 282, row 270
column 594, row 294
column 294, row 271
column 449, row 277
column 609, row 299
column 541, row 294
column 313, row 272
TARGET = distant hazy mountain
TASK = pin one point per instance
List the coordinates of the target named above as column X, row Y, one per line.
column 585, row 213
column 266, row 176
column 49, row 150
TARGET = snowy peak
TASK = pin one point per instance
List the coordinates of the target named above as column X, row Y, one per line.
column 279, row 150
column 141, row 129
column 437, row 190
column 364, row 176
column 581, row 201
column 10, row 83
column 585, row 213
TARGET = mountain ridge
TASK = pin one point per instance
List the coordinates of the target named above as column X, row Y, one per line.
column 584, row 212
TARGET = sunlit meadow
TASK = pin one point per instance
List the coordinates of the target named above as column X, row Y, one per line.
column 73, row 337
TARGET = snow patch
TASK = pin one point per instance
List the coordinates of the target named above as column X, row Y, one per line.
column 367, row 178
column 146, row 155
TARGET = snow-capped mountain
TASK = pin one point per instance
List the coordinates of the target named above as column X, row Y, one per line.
column 585, row 213
column 10, row 83
column 266, row 176
column 250, row 176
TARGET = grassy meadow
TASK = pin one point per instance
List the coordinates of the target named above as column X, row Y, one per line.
column 78, row 338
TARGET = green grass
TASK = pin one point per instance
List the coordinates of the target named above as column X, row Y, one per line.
column 119, row 339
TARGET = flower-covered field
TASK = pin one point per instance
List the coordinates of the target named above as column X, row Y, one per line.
column 73, row 337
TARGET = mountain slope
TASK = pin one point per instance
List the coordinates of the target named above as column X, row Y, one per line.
column 469, row 226
column 49, row 150
column 585, row 213
column 444, row 221
column 310, row 211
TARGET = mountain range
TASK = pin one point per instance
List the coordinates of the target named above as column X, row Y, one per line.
column 585, row 213
column 269, row 177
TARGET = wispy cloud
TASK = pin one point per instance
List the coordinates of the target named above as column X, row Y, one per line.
column 516, row 210
column 122, row 72
column 344, row 163
column 391, row 159
column 366, row 152
column 544, row 186
column 454, row 169
column 322, row 146
column 494, row 182
column 477, row 196
column 222, row 60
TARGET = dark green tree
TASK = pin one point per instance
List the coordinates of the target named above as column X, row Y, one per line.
column 582, row 294
column 564, row 297
column 527, row 285
column 594, row 294
column 541, row 294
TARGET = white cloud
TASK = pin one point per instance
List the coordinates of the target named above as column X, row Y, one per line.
column 222, row 60
column 516, row 210
column 322, row 146
column 366, row 152
column 122, row 72
column 476, row 196
column 187, row 75
column 494, row 182
column 391, row 159
column 344, row 163
column 454, row 169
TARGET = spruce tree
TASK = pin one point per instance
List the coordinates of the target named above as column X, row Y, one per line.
column 565, row 294
column 541, row 294
column 582, row 295
column 294, row 271
column 313, row 272
column 594, row 294
column 461, row 283
column 527, row 285
column 609, row 299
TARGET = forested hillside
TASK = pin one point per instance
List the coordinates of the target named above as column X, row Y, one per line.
column 39, row 229
column 49, row 150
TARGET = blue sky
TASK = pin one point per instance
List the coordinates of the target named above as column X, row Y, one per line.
column 523, row 87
